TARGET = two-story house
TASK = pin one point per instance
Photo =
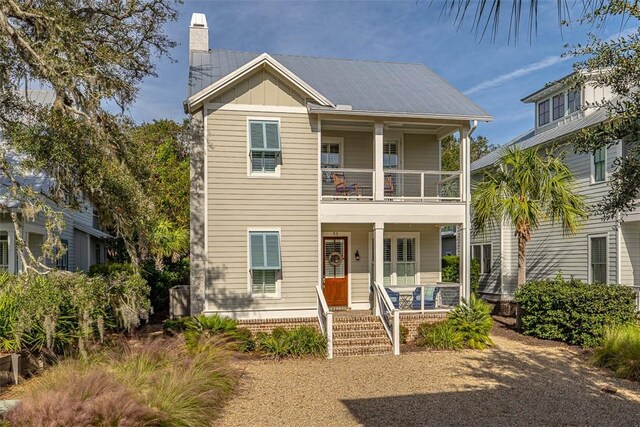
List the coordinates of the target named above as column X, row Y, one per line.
column 317, row 188
column 600, row 251
column 82, row 237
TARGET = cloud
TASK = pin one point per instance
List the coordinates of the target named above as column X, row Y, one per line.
column 547, row 62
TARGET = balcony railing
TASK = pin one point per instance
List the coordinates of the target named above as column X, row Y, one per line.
column 424, row 298
column 399, row 185
column 421, row 185
column 350, row 184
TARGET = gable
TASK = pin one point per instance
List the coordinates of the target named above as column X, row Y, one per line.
column 261, row 88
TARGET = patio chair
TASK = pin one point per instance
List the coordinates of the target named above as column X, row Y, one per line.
column 430, row 297
column 342, row 188
column 394, row 297
column 389, row 185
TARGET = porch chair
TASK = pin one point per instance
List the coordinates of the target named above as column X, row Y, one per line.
column 430, row 297
column 341, row 187
column 389, row 186
column 394, row 297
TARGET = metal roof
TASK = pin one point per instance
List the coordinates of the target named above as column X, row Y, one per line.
column 531, row 139
column 366, row 86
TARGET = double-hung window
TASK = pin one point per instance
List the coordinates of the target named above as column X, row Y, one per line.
column 598, row 259
column 4, row 252
column 386, row 260
column 62, row 262
column 543, row 113
column 330, row 155
column 265, row 151
column 558, row 106
column 265, row 262
column 573, row 100
column 599, row 165
column 482, row 253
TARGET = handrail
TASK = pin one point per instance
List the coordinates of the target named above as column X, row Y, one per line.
column 429, row 172
column 325, row 318
column 392, row 327
column 346, row 170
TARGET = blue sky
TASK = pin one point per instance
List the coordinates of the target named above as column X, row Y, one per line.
column 494, row 75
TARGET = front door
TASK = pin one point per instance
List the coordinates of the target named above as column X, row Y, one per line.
column 335, row 269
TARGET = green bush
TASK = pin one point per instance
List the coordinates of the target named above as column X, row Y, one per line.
column 451, row 271
column 202, row 327
column 440, row 336
column 244, row 341
column 620, row 351
column 174, row 326
column 295, row 342
column 573, row 311
column 160, row 281
column 404, row 334
column 61, row 312
column 473, row 321
column 106, row 270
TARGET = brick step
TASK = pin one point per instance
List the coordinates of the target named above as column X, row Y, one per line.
column 355, row 319
column 378, row 350
column 365, row 326
column 361, row 342
column 359, row 334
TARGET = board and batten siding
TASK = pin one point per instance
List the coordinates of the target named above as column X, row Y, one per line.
column 237, row 202
column 261, row 88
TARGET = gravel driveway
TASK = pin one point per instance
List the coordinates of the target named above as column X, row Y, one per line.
column 519, row 382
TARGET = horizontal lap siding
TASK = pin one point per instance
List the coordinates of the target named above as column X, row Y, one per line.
column 357, row 148
column 630, row 253
column 430, row 258
column 237, row 202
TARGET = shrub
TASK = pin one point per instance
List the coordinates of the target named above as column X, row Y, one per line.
column 451, row 271
column 473, row 321
column 244, row 341
column 295, row 342
column 620, row 351
column 440, row 336
column 404, row 334
column 204, row 327
column 573, row 311
column 174, row 326
column 160, row 281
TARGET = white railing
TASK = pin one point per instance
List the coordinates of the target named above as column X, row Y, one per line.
column 422, row 185
column 389, row 316
column 425, row 298
column 325, row 318
column 350, row 184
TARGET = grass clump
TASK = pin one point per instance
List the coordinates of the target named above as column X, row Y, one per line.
column 620, row 351
column 467, row 326
column 155, row 383
column 295, row 342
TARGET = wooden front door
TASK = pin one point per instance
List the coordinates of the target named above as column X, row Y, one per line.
column 335, row 269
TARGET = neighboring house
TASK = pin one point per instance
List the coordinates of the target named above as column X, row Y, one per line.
column 449, row 245
column 316, row 183
column 84, row 241
column 599, row 251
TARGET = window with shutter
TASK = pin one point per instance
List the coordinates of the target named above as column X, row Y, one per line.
column 265, row 262
column 4, row 252
column 265, row 151
column 599, row 165
column 406, row 261
column 598, row 259
column 62, row 262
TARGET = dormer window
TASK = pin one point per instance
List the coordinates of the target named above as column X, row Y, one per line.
column 558, row 106
column 543, row 113
column 573, row 100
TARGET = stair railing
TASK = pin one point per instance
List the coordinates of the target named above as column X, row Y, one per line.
column 325, row 318
column 389, row 316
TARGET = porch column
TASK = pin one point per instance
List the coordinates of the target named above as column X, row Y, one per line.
column 465, row 234
column 378, row 146
column 379, row 259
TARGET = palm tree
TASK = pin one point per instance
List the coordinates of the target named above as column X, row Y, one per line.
column 524, row 190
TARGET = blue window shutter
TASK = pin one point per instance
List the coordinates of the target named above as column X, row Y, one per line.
column 265, row 251
column 272, row 245
column 257, row 251
column 257, row 137
column 271, row 135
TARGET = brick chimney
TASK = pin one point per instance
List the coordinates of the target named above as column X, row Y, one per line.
column 198, row 33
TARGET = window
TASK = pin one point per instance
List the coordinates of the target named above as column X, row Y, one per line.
column 62, row 262
column 483, row 254
column 265, row 152
column 390, row 158
column 573, row 99
column 265, row 264
column 98, row 253
column 599, row 164
column 543, row 113
column 598, row 259
column 558, row 106
column 330, row 155
column 4, row 252
column 406, row 261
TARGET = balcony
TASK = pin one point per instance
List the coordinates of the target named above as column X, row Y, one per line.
column 399, row 185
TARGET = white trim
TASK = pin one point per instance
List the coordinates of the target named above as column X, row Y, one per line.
column 264, row 59
column 484, row 273
column 253, row 314
column 255, row 108
column 404, row 115
column 333, row 140
column 250, row 172
column 206, row 206
column 392, row 212
column 592, row 167
column 361, row 306
column 320, row 249
column 346, row 234
column 278, row 293
column 606, row 245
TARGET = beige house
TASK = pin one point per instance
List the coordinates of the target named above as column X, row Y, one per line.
column 317, row 187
